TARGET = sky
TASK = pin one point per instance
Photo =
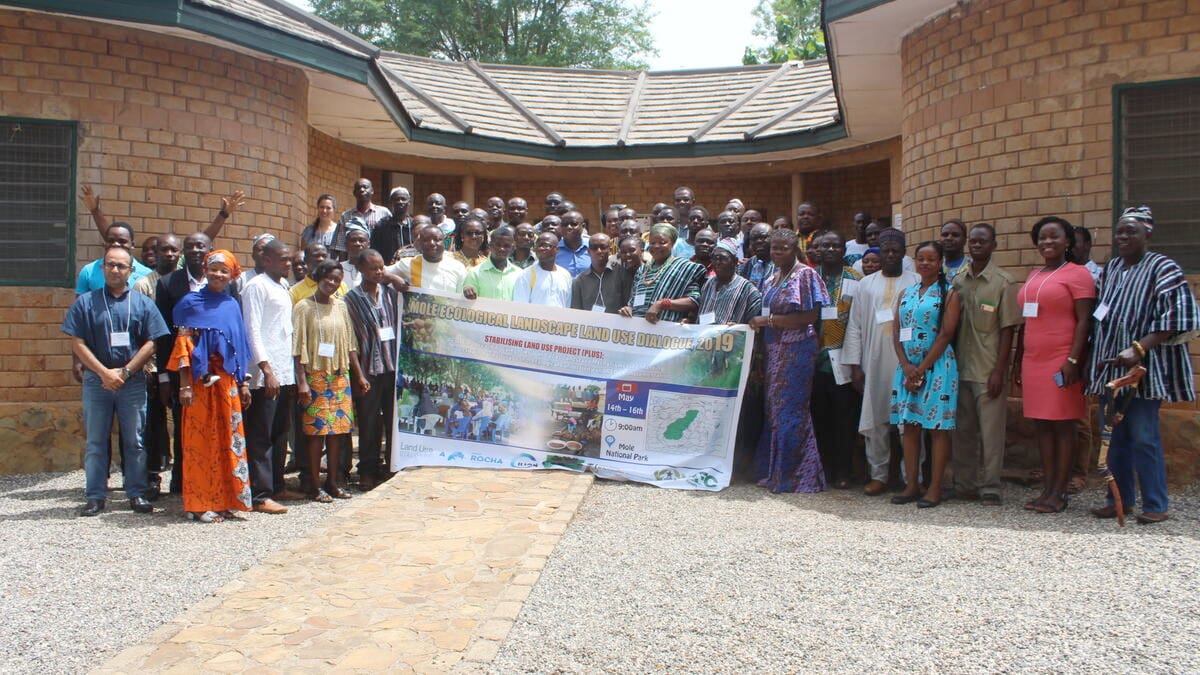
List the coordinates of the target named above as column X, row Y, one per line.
column 720, row 30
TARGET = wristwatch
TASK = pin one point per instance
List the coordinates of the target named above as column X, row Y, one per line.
column 125, row 373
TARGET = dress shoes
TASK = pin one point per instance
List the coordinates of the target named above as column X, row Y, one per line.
column 93, row 507
column 270, row 506
column 141, row 505
column 874, row 488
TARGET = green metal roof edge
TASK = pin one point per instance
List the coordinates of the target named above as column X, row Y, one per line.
column 479, row 143
column 836, row 10
column 200, row 19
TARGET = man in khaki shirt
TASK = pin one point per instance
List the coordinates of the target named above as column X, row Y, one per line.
column 988, row 321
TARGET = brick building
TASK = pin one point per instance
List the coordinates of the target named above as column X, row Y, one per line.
column 995, row 110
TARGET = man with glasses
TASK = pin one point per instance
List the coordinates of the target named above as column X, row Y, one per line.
column 112, row 334
column 600, row 288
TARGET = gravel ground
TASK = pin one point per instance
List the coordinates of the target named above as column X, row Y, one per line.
column 75, row 591
column 649, row 579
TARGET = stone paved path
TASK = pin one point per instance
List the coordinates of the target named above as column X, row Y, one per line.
column 425, row 574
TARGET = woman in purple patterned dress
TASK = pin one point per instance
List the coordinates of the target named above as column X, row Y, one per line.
column 787, row 458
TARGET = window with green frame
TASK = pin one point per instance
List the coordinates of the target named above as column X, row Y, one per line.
column 37, row 189
column 1158, row 162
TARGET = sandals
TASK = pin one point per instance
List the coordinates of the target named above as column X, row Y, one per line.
column 338, row 493
column 206, row 517
column 1076, row 485
column 321, row 497
column 1044, row 507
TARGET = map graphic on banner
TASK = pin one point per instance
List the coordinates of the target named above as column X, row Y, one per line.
column 489, row 383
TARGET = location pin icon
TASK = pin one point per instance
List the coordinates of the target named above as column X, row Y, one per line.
column 610, row 439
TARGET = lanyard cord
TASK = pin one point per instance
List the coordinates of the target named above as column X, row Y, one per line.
column 128, row 314
column 1038, row 296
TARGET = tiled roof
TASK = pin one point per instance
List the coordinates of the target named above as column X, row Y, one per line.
column 291, row 19
column 590, row 107
column 579, row 108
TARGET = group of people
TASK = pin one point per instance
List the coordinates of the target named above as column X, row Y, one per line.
column 857, row 339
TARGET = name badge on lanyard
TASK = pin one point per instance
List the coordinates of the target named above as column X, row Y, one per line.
column 708, row 318
column 598, row 308
column 120, row 339
column 639, row 299
column 883, row 315
column 386, row 334
column 906, row 334
column 326, row 349
column 829, row 313
column 1030, row 310
column 1101, row 311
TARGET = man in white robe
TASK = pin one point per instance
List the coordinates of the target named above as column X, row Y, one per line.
column 869, row 352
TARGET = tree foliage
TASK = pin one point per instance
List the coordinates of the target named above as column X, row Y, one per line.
column 583, row 33
column 792, row 29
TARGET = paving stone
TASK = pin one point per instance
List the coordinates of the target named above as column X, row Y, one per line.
column 424, row 574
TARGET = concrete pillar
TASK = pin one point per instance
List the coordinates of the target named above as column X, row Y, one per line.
column 468, row 190
column 895, row 164
column 797, row 195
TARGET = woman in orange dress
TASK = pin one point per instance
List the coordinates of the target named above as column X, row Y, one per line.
column 211, row 356
column 1056, row 301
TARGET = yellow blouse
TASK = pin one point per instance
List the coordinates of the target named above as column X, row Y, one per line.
column 314, row 324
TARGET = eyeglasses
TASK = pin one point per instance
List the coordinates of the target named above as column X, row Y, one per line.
column 120, row 267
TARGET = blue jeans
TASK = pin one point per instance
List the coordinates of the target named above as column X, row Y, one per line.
column 99, row 407
column 1137, row 447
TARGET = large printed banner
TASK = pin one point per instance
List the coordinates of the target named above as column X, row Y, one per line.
column 489, row 383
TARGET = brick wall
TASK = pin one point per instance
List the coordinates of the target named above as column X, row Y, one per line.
column 841, row 193
column 333, row 166
column 166, row 126
column 1007, row 108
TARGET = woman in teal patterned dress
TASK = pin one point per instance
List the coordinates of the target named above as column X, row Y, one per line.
column 925, row 388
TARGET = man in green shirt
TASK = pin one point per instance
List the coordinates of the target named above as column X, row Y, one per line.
column 988, row 321
column 494, row 277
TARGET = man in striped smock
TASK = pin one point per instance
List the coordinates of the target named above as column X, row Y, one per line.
column 1145, row 316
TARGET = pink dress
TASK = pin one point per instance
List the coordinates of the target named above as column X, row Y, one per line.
column 1048, row 339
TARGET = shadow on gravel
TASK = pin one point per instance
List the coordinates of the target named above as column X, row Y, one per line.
column 49, row 493
column 853, row 505
column 55, row 513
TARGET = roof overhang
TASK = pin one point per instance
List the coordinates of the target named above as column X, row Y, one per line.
column 773, row 113
column 863, row 37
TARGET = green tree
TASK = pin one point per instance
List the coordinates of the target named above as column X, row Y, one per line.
column 792, row 29
column 583, row 33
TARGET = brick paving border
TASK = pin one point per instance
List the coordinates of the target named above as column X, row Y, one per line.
column 424, row 574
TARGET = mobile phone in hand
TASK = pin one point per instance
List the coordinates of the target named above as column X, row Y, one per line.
column 1058, row 379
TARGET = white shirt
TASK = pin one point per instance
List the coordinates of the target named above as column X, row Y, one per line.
column 855, row 248
column 541, row 287
column 908, row 265
column 267, row 311
column 445, row 275
column 195, row 284
column 351, row 276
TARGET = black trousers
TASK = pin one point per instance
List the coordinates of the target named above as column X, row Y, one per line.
column 177, row 415
column 267, row 422
column 157, row 436
column 374, row 412
column 835, row 411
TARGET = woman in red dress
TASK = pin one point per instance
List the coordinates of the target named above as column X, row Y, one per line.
column 1056, row 301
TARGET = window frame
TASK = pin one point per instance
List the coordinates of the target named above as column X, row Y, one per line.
column 72, row 267
column 1118, row 166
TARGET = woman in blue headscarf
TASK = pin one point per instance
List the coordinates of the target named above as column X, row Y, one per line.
column 211, row 354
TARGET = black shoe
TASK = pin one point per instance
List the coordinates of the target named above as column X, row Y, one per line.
column 94, row 507
column 153, row 488
column 141, row 505
column 903, row 499
column 927, row 504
